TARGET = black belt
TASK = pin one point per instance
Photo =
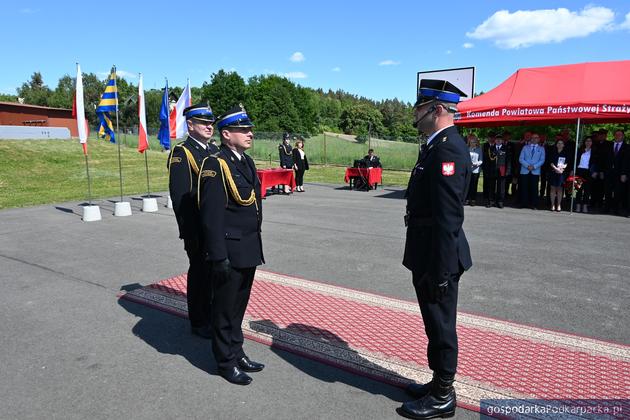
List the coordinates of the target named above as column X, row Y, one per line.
column 414, row 221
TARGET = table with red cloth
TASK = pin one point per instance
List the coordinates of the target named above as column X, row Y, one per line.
column 373, row 176
column 275, row 176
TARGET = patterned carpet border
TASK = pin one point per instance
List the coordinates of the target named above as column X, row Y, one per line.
column 382, row 338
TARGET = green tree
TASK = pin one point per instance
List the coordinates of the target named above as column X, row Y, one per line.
column 271, row 104
column 8, row 98
column 35, row 92
column 330, row 113
column 225, row 90
column 359, row 118
column 63, row 95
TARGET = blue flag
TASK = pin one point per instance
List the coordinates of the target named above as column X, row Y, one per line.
column 108, row 103
column 164, row 135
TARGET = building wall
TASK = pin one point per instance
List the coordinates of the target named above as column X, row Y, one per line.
column 28, row 116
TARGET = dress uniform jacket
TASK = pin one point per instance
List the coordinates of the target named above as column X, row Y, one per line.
column 286, row 155
column 500, row 161
column 436, row 242
column 183, row 163
column 231, row 229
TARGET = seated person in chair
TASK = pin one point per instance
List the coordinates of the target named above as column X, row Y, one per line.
column 371, row 160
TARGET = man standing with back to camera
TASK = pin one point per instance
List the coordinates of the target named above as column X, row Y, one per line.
column 183, row 164
column 436, row 249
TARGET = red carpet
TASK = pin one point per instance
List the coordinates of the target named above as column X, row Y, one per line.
column 383, row 338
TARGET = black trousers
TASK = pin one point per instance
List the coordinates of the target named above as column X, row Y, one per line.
column 528, row 187
column 472, row 189
column 544, row 184
column 231, row 295
column 299, row 177
column 439, row 325
column 597, row 191
column 497, row 189
column 198, row 287
column 615, row 192
column 486, row 185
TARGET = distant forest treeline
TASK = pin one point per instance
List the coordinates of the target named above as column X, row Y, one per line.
column 275, row 103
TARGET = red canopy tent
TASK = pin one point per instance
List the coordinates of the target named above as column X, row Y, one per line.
column 590, row 92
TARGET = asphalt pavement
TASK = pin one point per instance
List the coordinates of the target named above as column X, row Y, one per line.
column 72, row 350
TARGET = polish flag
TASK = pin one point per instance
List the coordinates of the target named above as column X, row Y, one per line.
column 176, row 118
column 78, row 111
column 143, row 143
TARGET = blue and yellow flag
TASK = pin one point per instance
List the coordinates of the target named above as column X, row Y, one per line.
column 108, row 103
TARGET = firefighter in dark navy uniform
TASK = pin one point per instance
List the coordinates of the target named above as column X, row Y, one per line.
column 436, row 249
column 183, row 164
column 285, row 152
column 231, row 216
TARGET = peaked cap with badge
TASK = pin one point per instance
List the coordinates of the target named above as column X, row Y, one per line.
column 431, row 90
column 200, row 112
column 235, row 117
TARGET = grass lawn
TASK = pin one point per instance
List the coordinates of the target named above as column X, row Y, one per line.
column 52, row 171
column 326, row 149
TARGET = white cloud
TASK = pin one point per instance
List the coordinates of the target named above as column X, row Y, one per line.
column 126, row 74
column 525, row 28
column 626, row 23
column 389, row 63
column 28, row 11
column 336, row 69
column 468, row 45
column 295, row 75
column 448, row 52
column 297, row 57
column 119, row 73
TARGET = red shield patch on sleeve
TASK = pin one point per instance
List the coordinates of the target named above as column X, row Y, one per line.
column 448, row 168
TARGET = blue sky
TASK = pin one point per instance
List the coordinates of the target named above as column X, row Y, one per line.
column 372, row 49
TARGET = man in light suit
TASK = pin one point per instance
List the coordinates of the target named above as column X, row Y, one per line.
column 531, row 159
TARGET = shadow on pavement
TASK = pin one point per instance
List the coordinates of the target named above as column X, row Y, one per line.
column 67, row 210
column 398, row 194
column 321, row 370
column 170, row 334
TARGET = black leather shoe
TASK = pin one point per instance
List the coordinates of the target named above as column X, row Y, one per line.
column 203, row 332
column 439, row 402
column 249, row 365
column 236, row 376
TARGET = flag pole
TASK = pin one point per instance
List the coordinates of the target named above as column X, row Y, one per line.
column 87, row 171
column 170, row 145
column 90, row 213
column 118, row 135
column 146, row 164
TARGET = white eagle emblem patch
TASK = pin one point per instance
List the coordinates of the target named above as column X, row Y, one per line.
column 448, row 168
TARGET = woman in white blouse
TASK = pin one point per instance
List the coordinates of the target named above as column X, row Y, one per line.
column 476, row 159
column 300, row 165
column 585, row 169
